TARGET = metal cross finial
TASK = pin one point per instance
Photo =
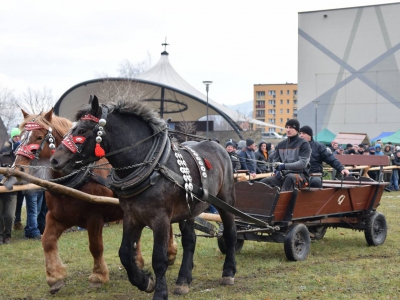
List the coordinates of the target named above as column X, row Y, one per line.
column 165, row 44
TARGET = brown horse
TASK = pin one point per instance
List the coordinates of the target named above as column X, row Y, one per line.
column 41, row 133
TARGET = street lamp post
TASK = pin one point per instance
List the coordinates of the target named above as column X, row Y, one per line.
column 207, row 83
column 316, row 117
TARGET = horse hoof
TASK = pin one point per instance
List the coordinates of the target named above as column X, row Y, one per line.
column 95, row 285
column 56, row 286
column 181, row 289
column 151, row 286
column 227, row 280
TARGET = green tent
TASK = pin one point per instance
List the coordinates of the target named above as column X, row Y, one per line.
column 394, row 138
column 325, row 137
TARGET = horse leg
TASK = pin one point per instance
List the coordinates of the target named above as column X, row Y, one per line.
column 55, row 269
column 161, row 232
column 128, row 256
column 99, row 275
column 172, row 247
column 229, row 234
column 188, row 245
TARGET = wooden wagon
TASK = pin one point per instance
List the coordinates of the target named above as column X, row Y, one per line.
column 294, row 218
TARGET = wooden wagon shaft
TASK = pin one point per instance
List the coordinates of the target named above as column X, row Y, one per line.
column 210, row 217
column 57, row 188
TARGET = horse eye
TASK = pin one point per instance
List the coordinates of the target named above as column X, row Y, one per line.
column 40, row 138
column 81, row 131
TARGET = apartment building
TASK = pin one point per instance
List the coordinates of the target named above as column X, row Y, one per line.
column 274, row 104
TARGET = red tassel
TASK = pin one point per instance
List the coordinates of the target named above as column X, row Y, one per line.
column 98, row 151
column 52, row 151
column 207, row 163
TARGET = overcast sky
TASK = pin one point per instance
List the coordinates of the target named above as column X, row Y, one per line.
column 235, row 44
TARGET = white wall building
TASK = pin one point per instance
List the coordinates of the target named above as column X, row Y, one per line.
column 349, row 63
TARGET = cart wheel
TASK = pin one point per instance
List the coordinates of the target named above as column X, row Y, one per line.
column 376, row 230
column 222, row 247
column 297, row 242
column 318, row 231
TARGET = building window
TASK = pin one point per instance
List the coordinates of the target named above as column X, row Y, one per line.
column 288, row 111
column 281, row 120
column 281, row 92
column 294, row 92
column 288, row 101
column 272, row 121
column 271, row 111
column 281, row 101
column 271, row 102
column 295, row 102
column 271, row 92
column 260, row 95
column 288, row 92
column 281, row 111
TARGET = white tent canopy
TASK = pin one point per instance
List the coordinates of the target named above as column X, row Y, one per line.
column 163, row 88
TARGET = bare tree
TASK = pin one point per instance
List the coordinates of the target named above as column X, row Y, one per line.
column 130, row 70
column 9, row 112
column 186, row 127
column 36, row 101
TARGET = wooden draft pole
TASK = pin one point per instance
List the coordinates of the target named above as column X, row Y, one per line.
column 56, row 188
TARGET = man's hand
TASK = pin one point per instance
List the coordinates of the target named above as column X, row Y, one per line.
column 345, row 172
column 280, row 167
column 278, row 174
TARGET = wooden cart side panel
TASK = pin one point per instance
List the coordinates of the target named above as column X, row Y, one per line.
column 257, row 198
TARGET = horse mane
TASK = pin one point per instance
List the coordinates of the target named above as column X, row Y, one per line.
column 58, row 124
column 131, row 107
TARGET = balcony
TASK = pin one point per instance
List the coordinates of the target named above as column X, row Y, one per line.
column 260, row 106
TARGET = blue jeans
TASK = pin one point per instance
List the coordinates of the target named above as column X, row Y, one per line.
column 33, row 205
column 394, row 180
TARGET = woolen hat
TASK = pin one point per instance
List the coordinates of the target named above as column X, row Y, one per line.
column 249, row 142
column 14, row 132
column 229, row 143
column 293, row 123
column 307, row 130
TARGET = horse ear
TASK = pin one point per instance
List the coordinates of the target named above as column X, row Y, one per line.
column 49, row 115
column 95, row 106
column 24, row 113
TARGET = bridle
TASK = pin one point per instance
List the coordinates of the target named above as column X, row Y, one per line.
column 75, row 143
column 25, row 149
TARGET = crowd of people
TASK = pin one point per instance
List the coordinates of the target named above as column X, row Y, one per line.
column 293, row 160
column 11, row 202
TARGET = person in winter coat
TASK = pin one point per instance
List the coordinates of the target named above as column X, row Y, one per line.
column 320, row 154
column 293, row 155
column 394, row 184
column 263, row 157
column 229, row 146
column 248, row 159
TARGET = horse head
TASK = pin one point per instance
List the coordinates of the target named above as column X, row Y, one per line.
column 40, row 135
column 86, row 134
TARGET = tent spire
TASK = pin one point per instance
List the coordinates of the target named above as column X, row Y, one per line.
column 165, row 47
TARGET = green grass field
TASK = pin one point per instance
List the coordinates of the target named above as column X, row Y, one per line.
column 340, row 266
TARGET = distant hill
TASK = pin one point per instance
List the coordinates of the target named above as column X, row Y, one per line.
column 245, row 108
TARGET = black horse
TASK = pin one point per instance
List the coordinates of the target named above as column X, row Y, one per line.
column 158, row 183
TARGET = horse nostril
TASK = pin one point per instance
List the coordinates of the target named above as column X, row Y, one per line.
column 54, row 162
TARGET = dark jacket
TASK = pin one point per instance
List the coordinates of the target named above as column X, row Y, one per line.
column 319, row 155
column 235, row 160
column 263, row 163
column 396, row 160
column 295, row 153
column 247, row 160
